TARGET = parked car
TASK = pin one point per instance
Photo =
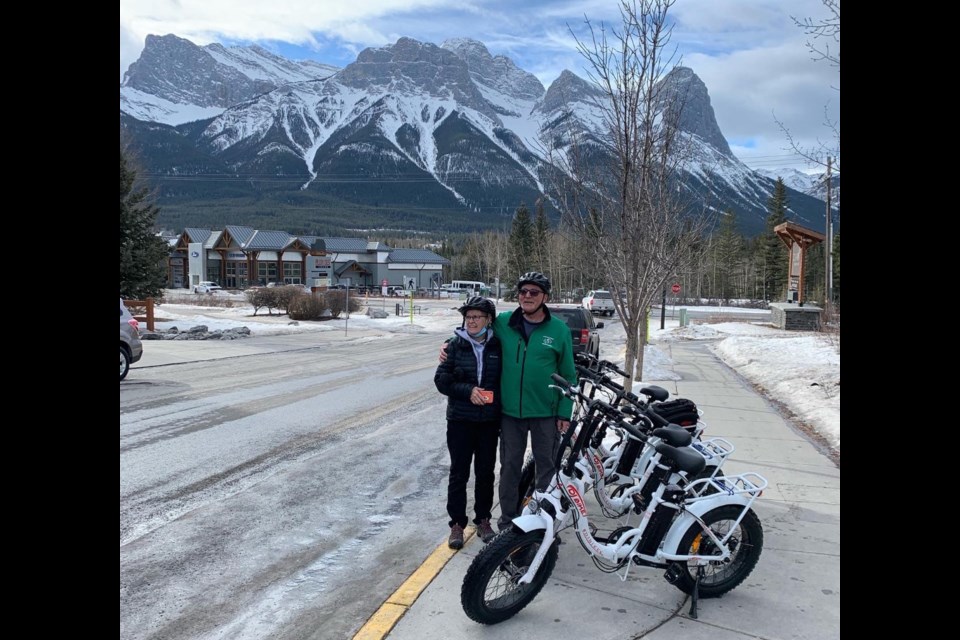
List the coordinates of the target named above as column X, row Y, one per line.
column 599, row 301
column 583, row 328
column 131, row 349
column 207, row 287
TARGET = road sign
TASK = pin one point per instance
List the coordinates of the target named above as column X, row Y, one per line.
column 383, row 282
column 675, row 288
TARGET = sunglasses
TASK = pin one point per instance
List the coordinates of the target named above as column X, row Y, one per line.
column 530, row 293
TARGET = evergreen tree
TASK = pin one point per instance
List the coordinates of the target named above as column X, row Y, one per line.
column 774, row 254
column 521, row 242
column 541, row 231
column 729, row 252
column 143, row 255
column 813, row 276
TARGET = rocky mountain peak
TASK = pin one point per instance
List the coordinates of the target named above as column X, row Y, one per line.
column 697, row 116
column 180, row 72
column 169, row 67
column 496, row 72
column 566, row 89
column 413, row 67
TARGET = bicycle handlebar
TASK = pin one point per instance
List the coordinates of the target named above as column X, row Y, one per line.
column 646, row 410
column 632, row 430
column 613, row 367
column 560, row 380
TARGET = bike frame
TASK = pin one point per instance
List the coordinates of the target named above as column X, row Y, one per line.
column 601, row 462
column 740, row 490
column 563, row 504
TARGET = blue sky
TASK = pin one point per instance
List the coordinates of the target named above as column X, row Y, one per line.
column 749, row 53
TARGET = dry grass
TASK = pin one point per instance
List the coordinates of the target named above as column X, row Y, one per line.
column 830, row 326
column 204, row 300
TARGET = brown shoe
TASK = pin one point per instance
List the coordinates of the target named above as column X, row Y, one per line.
column 485, row 531
column 455, row 541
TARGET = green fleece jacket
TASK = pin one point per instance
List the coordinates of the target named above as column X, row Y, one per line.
column 527, row 365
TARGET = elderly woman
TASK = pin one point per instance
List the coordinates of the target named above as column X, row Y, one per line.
column 470, row 378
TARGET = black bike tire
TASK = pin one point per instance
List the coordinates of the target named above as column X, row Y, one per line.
column 743, row 562
column 497, row 563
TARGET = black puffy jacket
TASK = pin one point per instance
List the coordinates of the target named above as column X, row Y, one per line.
column 457, row 377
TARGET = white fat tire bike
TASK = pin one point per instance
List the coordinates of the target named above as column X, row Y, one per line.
column 493, row 589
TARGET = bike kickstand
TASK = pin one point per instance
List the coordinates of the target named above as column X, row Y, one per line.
column 696, row 593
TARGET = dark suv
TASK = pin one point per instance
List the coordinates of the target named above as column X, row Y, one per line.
column 583, row 328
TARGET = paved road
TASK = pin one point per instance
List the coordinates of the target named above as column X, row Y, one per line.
column 276, row 487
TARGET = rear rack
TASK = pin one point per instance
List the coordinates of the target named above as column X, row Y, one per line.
column 749, row 483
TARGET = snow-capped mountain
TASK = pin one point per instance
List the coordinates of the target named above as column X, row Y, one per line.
column 811, row 184
column 174, row 81
column 410, row 134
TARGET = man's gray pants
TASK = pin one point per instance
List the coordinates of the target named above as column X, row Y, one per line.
column 513, row 446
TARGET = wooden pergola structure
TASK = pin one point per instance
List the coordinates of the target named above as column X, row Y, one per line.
column 798, row 239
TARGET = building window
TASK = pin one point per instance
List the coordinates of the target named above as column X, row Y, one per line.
column 292, row 273
column 267, row 272
column 213, row 271
column 236, row 275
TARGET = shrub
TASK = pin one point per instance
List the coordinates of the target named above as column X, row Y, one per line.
column 336, row 302
column 306, row 307
column 286, row 295
column 260, row 298
column 320, row 306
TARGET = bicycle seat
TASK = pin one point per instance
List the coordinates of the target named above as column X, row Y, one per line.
column 674, row 435
column 685, row 458
column 659, row 394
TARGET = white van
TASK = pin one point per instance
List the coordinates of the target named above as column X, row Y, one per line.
column 473, row 286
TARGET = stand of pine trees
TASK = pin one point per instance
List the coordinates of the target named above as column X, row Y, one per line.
column 727, row 268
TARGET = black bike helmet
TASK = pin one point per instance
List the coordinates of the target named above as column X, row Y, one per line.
column 534, row 277
column 480, row 304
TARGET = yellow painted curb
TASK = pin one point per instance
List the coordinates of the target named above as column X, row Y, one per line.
column 390, row 612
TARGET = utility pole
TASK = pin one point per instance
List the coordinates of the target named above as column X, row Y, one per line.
column 828, row 270
column 663, row 307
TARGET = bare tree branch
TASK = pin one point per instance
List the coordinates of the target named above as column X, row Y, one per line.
column 619, row 189
column 822, row 32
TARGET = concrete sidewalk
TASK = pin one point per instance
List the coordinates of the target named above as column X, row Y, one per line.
column 794, row 592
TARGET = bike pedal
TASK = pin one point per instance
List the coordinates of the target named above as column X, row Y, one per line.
column 638, row 504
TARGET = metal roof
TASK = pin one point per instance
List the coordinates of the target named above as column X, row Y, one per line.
column 212, row 240
column 351, row 265
column 197, row 235
column 268, row 240
column 416, row 255
column 346, row 245
column 241, row 234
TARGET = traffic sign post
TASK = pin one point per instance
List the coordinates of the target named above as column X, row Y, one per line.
column 675, row 288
